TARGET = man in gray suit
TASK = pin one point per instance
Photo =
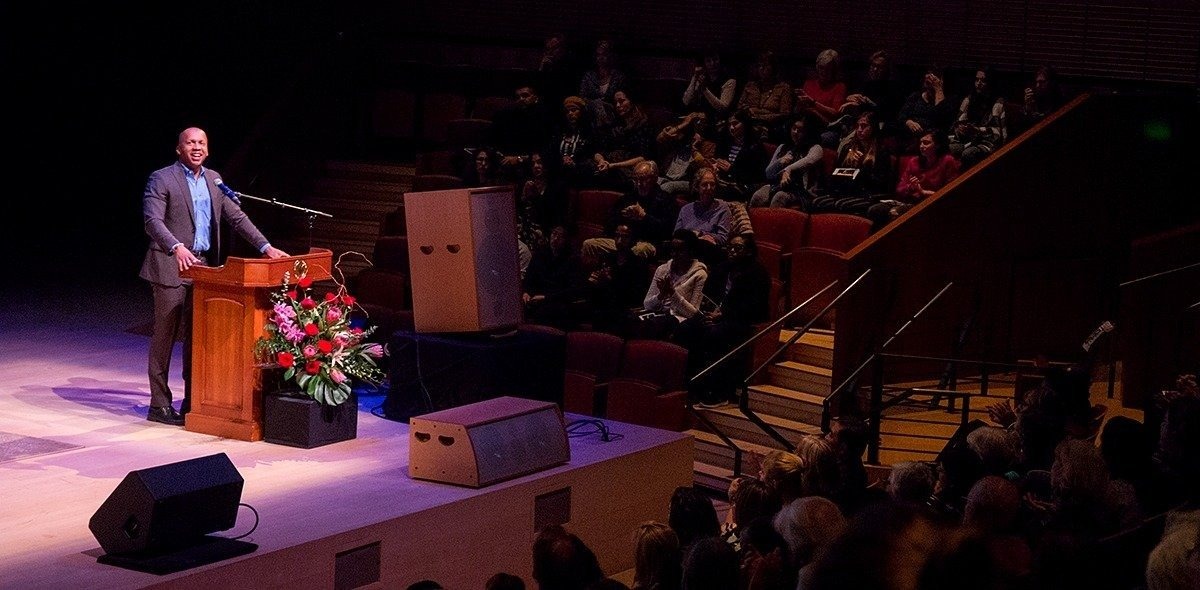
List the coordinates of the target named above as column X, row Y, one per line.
column 183, row 209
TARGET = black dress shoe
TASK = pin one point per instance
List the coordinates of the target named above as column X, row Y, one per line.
column 165, row 415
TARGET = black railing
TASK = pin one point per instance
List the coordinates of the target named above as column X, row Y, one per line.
column 827, row 403
column 743, row 402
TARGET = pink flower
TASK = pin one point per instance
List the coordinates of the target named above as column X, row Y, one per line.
column 337, row 376
column 373, row 350
column 310, row 351
column 333, row 314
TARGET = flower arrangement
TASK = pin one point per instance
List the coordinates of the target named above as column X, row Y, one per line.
column 312, row 340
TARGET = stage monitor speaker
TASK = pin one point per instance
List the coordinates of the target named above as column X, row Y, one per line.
column 487, row 442
column 462, row 251
column 168, row 507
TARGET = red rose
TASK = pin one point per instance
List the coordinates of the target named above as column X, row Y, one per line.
column 292, row 294
column 285, row 360
column 325, row 346
column 311, row 329
column 330, row 297
column 305, row 282
column 348, row 299
column 313, row 367
column 308, row 303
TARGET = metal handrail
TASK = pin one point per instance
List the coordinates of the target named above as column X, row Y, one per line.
column 743, row 405
column 827, row 402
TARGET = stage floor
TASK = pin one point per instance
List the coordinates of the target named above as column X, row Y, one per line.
column 73, row 397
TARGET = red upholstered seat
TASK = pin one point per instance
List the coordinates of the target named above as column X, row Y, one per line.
column 436, row 182
column 837, row 231
column 650, row 389
column 590, row 209
column 593, row 358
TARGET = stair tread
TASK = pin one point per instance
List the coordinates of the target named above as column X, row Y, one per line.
column 813, row 337
column 703, row 436
column 776, row 390
column 807, row 368
column 774, row 421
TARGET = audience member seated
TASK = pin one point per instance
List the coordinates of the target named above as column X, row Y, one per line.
column 863, row 171
column 796, row 171
column 764, row 555
column 996, row 449
column 982, row 124
column 933, row 168
column 618, row 284
column 927, row 108
column 692, row 516
column 504, row 581
column 682, row 149
column 574, row 143
column 542, row 194
column 809, row 525
column 1043, row 98
column 554, row 290
column 558, row 69
column 910, row 482
column 707, row 217
column 739, row 158
column 599, row 85
column 879, row 92
column 849, row 436
column 711, row 89
column 783, row 474
column 521, row 130
column 749, row 500
column 823, row 93
column 766, row 95
column 958, row 469
column 676, row 290
column 739, row 290
column 710, row 564
column 484, row 169
column 657, row 559
column 623, row 144
column 562, row 561
column 648, row 211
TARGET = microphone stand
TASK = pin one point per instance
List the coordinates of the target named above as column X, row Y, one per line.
column 312, row 213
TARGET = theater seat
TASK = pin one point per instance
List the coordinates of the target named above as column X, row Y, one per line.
column 590, row 209
column 836, row 231
column 651, row 387
column 593, row 358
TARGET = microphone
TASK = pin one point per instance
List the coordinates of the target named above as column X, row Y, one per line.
column 232, row 194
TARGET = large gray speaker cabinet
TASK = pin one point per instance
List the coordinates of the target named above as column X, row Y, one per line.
column 462, row 252
column 486, row 442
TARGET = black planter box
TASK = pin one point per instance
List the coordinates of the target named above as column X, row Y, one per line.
column 302, row 422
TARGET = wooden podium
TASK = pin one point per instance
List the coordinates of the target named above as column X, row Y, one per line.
column 231, row 304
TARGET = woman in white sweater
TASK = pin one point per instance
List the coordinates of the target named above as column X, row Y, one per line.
column 677, row 290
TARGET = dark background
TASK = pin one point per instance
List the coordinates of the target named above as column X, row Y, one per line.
column 98, row 93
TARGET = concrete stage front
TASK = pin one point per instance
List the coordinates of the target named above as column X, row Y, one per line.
column 86, row 390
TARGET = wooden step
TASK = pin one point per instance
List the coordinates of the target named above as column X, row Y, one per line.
column 711, row 449
column 814, row 348
column 786, row 403
column 737, row 426
column 801, row 377
column 711, row 477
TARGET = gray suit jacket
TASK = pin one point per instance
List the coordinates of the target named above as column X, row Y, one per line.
column 167, row 215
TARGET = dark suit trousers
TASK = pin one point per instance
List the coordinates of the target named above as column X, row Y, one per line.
column 172, row 321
